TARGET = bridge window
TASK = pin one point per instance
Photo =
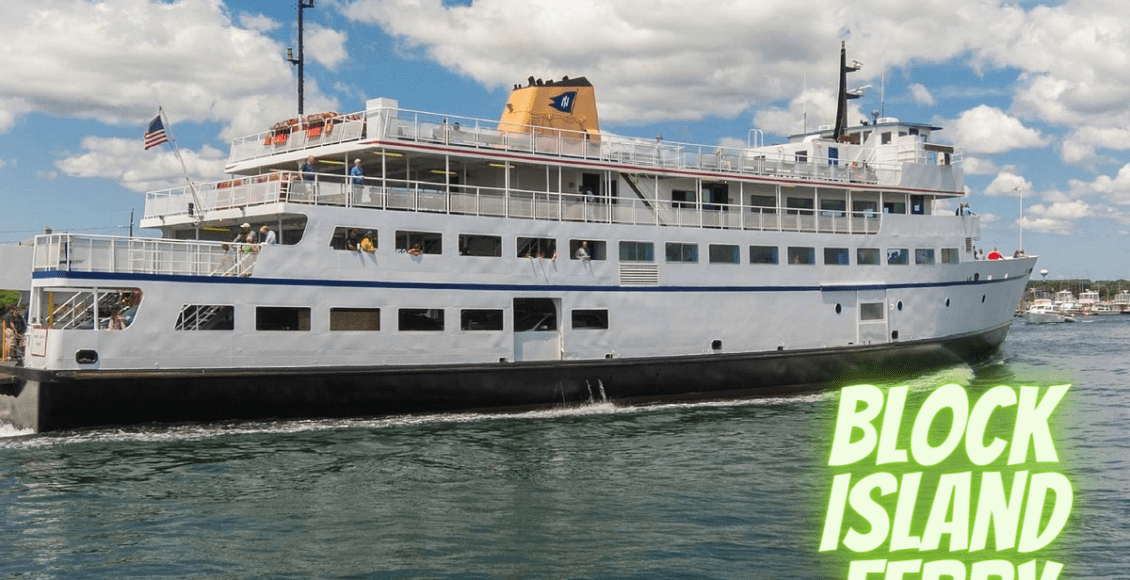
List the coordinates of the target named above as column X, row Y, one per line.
column 420, row 319
column 355, row 319
column 763, row 255
column 477, row 245
column 836, row 256
column 595, row 319
column 685, row 253
column 536, row 247
column 206, row 317
column 596, row 249
column 282, row 318
column 476, row 319
column 724, row 254
column 898, row 256
column 637, row 252
column 427, row 242
column 798, row 255
column 340, row 239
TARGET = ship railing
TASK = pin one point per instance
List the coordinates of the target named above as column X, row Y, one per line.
column 540, row 205
column 408, row 125
column 299, row 134
column 91, row 253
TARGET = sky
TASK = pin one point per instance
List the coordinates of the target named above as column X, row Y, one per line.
column 1036, row 95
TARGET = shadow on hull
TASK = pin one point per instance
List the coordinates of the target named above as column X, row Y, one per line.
column 46, row 401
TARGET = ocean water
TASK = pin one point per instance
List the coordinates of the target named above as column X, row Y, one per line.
column 733, row 489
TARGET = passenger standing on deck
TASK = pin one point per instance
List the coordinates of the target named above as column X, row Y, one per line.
column 267, row 236
column 582, row 252
column 356, row 173
column 307, row 169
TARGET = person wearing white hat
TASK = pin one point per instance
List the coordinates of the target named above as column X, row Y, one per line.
column 356, row 172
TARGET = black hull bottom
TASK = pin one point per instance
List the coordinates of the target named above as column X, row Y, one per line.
column 46, row 401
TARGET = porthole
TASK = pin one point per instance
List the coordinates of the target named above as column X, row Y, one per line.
column 947, row 302
column 839, row 309
column 982, row 299
column 900, row 305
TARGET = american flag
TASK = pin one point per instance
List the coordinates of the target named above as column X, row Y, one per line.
column 155, row 135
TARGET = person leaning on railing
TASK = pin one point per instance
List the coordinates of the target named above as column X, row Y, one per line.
column 13, row 327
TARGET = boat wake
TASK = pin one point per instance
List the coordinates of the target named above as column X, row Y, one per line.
column 12, row 437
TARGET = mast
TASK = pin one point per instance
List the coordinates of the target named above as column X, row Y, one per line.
column 844, row 93
column 300, row 62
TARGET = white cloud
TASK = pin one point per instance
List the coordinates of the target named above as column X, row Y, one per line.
column 921, row 95
column 978, row 166
column 1115, row 189
column 117, row 159
column 985, row 129
column 1007, row 183
column 1081, row 145
column 326, row 46
column 258, row 22
column 114, row 61
column 1046, row 225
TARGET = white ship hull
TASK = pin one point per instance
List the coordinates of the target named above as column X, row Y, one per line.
column 706, row 272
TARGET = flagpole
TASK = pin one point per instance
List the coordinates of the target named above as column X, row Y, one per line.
column 184, row 168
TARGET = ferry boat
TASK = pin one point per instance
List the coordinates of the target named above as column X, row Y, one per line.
column 516, row 262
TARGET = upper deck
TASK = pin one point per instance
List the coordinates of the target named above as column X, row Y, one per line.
column 892, row 155
column 425, row 147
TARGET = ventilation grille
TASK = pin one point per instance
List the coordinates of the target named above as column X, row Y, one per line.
column 639, row 275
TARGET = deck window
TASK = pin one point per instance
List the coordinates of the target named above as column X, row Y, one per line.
column 420, row 319
column 867, row 256
column 898, row 256
column 950, row 256
column 681, row 198
column 282, row 318
column 898, row 207
column 682, row 253
column 871, row 311
column 342, row 234
column 924, row 256
column 724, row 254
column 833, row 207
column 762, row 204
column 480, row 319
column 537, row 247
column 763, row 255
column 594, row 319
column 837, row 256
column 799, row 205
column 426, row 242
column 477, row 245
column 865, row 208
column 797, row 255
column 206, row 317
column 596, row 249
column 637, row 252
column 355, row 319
